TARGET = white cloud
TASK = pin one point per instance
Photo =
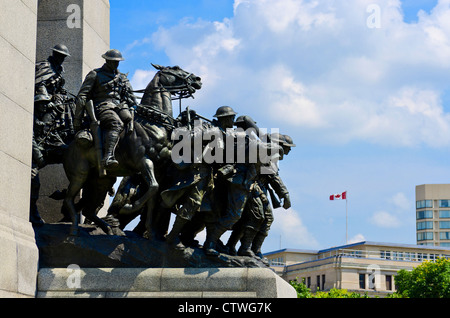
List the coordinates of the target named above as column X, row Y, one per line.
column 385, row 220
column 402, row 203
column 141, row 78
column 294, row 232
column 316, row 68
column 357, row 238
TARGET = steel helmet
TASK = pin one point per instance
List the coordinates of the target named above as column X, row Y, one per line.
column 113, row 55
column 288, row 142
column 244, row 119
column 61, row 48
column 225, row 111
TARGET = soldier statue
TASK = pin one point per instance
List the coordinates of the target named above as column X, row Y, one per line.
column 52, row 122
column 114, row 102
column 231, row 188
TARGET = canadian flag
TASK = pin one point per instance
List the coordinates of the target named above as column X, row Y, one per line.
column 340, row 196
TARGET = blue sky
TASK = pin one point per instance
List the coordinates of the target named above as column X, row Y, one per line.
column 367, row 107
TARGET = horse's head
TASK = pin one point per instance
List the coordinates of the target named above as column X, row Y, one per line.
column 174, row 79
column 170, row 80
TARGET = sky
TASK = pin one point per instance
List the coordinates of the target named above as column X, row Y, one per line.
column 362, row 86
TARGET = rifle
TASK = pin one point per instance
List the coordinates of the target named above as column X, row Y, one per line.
column 97, row 136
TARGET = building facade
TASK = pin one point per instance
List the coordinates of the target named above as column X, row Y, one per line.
column 365, row 267
column 433, row 214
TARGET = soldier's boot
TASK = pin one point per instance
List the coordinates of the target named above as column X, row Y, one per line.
column 246, row 243
column 111, row 141
column 232, row 241
column 213, row 234
column 256, row 247
column 173, row 236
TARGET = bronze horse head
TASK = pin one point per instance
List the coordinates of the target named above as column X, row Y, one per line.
column 168, row 81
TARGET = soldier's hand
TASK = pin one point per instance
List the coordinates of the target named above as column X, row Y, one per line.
column 286, row 202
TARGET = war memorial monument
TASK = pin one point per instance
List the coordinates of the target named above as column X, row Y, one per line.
column 72, row 127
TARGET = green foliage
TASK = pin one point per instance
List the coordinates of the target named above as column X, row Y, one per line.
column 428, row 280
column 339, row 293
column 301, row 289
column 305, row 292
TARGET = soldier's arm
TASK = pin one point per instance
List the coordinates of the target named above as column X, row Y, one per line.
column 281, row 190
column 83, row 96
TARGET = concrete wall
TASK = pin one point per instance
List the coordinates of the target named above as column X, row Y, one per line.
column 28, row 31
column 18, row 251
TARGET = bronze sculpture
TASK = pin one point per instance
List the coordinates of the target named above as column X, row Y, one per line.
column 117, row 137
column 138, row 152
column 53, row 119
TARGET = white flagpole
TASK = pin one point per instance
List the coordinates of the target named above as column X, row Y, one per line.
column 346, row 219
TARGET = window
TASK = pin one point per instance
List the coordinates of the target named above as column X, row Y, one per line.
column 444, row 203
column 444, row 236
column 444, row 224
column 388, row 282
column 362, row 281
column 323, row 283
column 308, row 284
column 385, row 254
column 424, row 204
column 444, row 214
column 424, row 236
column 427, row 214
column 318, row 281
column 425, row 225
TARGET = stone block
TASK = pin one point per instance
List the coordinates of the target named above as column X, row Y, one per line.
column 205, row 279
column 164, row 283
column 18, row 26
column 17, row 76
column 16, row 128
column 15, row 179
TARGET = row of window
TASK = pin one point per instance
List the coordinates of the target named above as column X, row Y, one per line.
column 372, row 281
column 410, row 256
column 279, row 261
column 423, row 204
column 320, row 282
column 430, row 236
column 428, row 214
column 428, row 225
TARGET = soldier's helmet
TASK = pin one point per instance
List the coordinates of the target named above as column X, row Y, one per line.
column 41, row 95
column 277, row 138
column 288, row 142
column 225, row 111
column 244, row 119
column 62, row 49
column 113, row 55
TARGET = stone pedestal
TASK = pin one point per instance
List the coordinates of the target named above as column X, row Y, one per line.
column 162, row 283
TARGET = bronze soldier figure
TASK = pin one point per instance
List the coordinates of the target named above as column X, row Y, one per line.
column 52, row 122
column 232, row 187
column 254, row 226
column 114, row 102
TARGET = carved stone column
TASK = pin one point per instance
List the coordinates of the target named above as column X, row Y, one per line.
column 18, row 251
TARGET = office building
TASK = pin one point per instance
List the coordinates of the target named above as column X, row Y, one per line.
column 433, row 214
column 364, row 267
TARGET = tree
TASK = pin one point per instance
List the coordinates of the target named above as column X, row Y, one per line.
column 428, row 280
column 301, row 289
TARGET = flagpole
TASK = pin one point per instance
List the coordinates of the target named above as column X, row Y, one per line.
column 346, row 220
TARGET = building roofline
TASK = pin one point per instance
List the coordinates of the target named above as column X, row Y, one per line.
column 293, row 250
column 368, row 243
